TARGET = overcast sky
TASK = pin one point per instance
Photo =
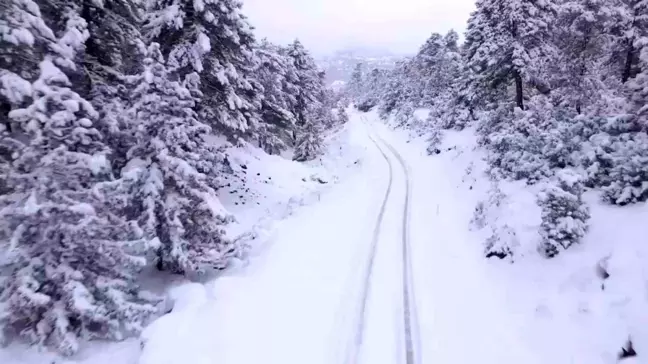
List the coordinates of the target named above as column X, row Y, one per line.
column 325, row 26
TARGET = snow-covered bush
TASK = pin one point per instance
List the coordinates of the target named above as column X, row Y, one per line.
column 564, row 214
column 531, row 144
column 501, row 243
column 502, row 240
column 405, row 115
column 366, row 105
column 434, row 139
column 342, row 116
column 515, row 145
column 628, row 169
column 478, row 220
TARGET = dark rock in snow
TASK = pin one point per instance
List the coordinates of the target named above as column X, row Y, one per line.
column 601, row 269
column 627, row 351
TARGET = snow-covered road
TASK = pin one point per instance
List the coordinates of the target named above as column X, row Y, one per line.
column 386, row 290
column 380, row 270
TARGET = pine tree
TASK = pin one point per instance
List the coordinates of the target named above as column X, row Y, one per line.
column 309, row 143
column 110, row 54
column 310, row 81
column 342, row 116
column 212, row 38
column 396, row 91
column 23, row 37
column 111, row 49
column 638, row 89
column 628, row 27
column 278, row 77
column 356, row 86
column 582, row 37
column 509, row 42
column 71, row 255
column 373, row 88
column 173, row 173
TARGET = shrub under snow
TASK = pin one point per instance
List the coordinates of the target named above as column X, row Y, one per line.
column 530, row 144
column 616, row 159
column 564, row 214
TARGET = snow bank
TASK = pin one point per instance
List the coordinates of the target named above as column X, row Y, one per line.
column 267, row 188
column 175, row 329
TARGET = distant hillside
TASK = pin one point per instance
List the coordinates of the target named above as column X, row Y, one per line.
column 340, row 65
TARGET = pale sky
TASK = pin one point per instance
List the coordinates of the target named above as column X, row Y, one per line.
column 325, row 26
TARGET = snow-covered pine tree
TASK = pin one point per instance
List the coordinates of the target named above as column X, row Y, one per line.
column 638, row 91
column 435, row 70
column 628, row 28
column 564, row 214
column 23, row 37
column 173, row 173
column 278, row 76
column 309, row 142
column 508, row 42
column 310, row 81
column 111, row 52
column 342, row 116
column 435, row 67
column 214, row 39
column 374, row 85
column 396, row 91
column 71, row 255
column 582, row 36
column 356, row 86
column 111, row 49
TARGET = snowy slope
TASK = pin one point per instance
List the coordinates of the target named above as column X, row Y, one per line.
column 265, row 188
column 559, row 310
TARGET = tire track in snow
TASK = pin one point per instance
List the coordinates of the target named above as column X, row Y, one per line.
column 410, row 315
column 354, row 350
column 412, row 346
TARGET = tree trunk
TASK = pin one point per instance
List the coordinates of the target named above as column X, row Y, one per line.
column 627, row 69
column 519, row 97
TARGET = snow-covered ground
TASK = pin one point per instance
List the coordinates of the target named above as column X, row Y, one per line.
column 310, row 291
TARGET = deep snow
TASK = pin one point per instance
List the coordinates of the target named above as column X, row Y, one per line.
column 296, row 297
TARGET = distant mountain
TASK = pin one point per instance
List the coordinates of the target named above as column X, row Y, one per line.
column 340, row 65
